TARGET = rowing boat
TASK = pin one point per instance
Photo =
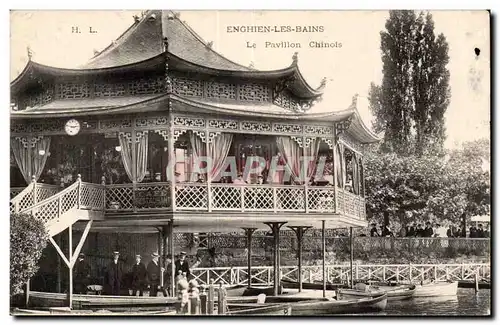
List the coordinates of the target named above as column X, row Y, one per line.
column 436, row 289
column 259, row 309
column 310, row 285
column 329, row 306
column 394, row 292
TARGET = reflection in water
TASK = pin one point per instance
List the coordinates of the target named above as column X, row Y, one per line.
column 466, row 303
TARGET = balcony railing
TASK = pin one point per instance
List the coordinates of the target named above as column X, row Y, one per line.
column 233, row 198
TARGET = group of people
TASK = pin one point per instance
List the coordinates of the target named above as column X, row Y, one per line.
column 436, row 230
column 138, row 278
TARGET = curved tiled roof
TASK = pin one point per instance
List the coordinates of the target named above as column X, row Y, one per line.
column 144, row 40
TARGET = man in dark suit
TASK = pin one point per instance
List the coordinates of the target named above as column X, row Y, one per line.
column 154, row 272
column 114, row 274
column 138, row 276
column 81, row 275
column 182, row 266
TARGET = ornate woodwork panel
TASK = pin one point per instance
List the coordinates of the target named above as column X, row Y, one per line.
column 223, row 124
column 286, row 100
column 123, row 122
column 189, row 121
column 151, row 121
column 109, row 89
column 154, row 85
column 37, row 99
column 287, row 128
column 219, row 90
column 318, row 130
column 253, row 92
column 73, row 90
column 255, row 126
column 187, row 87
column 350, row 141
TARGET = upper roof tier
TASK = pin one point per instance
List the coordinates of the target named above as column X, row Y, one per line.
column 142, row 44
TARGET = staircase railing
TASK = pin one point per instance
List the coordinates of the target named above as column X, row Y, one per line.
column 33, row 193
column 79, row 195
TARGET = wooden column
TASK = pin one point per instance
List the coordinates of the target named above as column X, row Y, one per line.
column 335, row 162
column 70, row 267
column 59, row 276
column 171, row 160
column 299, row 232
column 323, row 244
column 275, row 228
column 171, row 250
column 160, row 252
column 248, row 233
column 351, row 250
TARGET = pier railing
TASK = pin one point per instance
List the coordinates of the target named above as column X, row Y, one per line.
column 403, row 273
column 272, row 198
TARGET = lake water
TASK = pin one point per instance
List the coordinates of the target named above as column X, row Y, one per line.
column 466, row 303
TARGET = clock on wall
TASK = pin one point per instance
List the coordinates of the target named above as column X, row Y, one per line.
column 72, row 127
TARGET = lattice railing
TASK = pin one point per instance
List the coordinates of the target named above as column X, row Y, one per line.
column 14, row 191
column 79, row 195
column 138, row 197
column 191, row 196
column 403, row 273
column 351, row 205
column 33, row 193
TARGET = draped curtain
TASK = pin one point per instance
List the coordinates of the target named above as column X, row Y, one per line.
column 340, row 165
column 28, row 157
column 218, row 149
column 141, row 156
column 291, row 153
column 312, row 151
column 355, row 174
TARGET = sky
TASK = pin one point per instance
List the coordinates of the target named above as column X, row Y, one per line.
column 349, row 68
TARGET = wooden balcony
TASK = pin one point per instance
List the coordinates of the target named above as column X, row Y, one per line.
column 203, row 197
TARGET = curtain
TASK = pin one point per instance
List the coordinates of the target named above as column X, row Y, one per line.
column 218, row 150
column 291, row 153
column 312, row 151
column 141, row 156
column 355, row 174
column 27, row 156
column 199, row 150
column 340, row 165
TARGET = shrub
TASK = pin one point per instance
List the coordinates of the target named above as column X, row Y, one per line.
column 28, row 238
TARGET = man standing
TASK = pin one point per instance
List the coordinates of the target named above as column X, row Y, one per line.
column 115, row 272
column 428, row 232
column 138, row 276
column 182, row 266
column 374, row 231
column 82, row 275
column 167, row 277
column 154, row 272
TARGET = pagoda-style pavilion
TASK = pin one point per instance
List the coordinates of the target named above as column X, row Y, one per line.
column 115, row 143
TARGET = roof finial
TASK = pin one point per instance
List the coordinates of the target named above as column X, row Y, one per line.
column 96, row 52
column 165, row 44
column 355, row 99
column 323, row 82
column 209, row 44
column 295, row 57
column 30, row 53
column 136, row 18
column 251, row 65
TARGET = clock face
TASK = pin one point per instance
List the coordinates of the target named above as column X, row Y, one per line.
column 72, row 127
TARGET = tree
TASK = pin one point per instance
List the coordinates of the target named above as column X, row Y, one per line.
column 28, row 238
column 410, row 103
column 429, row 187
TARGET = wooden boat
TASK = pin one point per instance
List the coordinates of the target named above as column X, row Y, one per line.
column 51, row 299
column 330, row 306
column 259, row 309
column 311, row 286
column 436, row 289
column 394, row 292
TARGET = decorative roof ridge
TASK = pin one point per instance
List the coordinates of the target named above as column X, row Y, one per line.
column 202, row 41
column 120, row 38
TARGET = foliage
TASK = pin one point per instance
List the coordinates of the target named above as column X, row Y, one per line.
column 410, row 103
column 111, row 165
column 62, row 172
column 28, row 238
column 428, row 188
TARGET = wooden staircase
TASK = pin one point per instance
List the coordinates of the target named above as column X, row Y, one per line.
column 80, row 201
column 32, row 194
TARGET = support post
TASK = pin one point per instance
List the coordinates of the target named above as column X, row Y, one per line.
column 210, row 298
column 248, row 233
column 27, row 294
column 59, row 276
column 275, row 228
column 351, row 243
column 171, row 249
column 323, row 244
column 299, row 232
column 70, row 267
column 160, row 253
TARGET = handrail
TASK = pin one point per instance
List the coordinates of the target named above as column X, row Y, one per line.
column 52, row 198
column 24, row 192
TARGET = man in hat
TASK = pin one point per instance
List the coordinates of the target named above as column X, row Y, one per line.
column 81, row 275
column 182, row 266
column 114, row 274
column 138, row 276
column 167, row 276
column 154, row 273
